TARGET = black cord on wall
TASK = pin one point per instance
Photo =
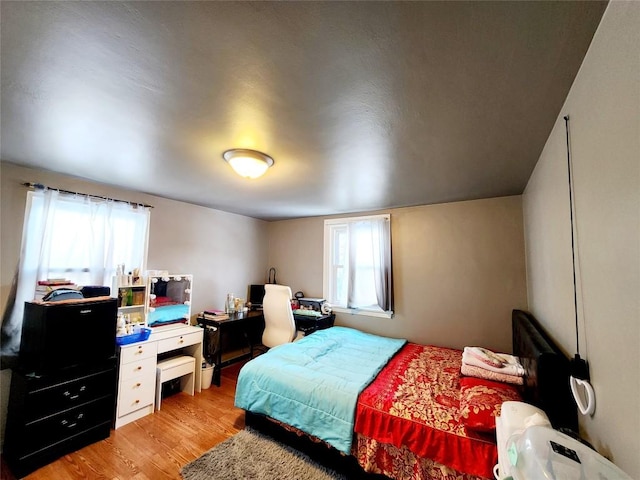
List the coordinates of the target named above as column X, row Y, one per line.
column 579, row 367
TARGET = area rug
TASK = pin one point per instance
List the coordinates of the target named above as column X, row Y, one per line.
column 251, row 455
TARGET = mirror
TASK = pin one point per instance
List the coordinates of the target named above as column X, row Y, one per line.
column 169, row 300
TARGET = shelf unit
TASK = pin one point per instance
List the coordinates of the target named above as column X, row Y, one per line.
column 138, row 362
column 132, row 299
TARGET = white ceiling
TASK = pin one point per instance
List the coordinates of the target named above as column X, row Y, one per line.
column 362, row 105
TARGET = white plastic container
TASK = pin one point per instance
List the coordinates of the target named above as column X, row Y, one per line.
column 207, row 375
column 544, row 453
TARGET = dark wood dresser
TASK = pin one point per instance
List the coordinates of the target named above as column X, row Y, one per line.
column 62, row 398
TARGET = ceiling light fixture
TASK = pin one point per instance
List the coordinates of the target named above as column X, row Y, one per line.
column 248, row 163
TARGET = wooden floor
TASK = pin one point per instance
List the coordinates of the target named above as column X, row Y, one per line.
column 156, row 446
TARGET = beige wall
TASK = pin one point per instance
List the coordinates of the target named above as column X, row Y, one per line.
column 223, row 251
column 604, row 110
column 458, row 270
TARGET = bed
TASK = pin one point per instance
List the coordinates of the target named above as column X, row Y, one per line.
column 405, row 420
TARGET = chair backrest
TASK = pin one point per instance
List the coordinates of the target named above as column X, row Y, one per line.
column 279, row 325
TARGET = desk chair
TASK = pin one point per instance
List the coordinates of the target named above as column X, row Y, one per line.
column 279, row 325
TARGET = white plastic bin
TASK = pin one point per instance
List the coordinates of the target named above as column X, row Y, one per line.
column 207, row 375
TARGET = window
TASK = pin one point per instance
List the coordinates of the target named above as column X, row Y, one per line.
column 357, row 265
column 75, row 237
column 81, row 238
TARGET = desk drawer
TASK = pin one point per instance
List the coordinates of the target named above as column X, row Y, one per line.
column 138, row 352
column 145, row 367
column 136, row 393
column 180, row 341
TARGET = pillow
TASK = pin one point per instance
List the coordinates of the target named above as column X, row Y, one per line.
column 481, row 400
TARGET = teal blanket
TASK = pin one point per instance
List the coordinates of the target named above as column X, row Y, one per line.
column 168, row 314
column 313, row 384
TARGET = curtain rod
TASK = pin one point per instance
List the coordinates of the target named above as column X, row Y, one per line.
column 39, row 186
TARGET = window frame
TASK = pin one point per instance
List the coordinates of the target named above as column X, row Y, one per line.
column 328, row 279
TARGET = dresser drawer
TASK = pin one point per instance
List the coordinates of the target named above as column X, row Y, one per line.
column 23, row 460
column 180, row 341
column 55, row 428
column 137, row 352
column 42, row 402
column 136, row 393
column 144, row 367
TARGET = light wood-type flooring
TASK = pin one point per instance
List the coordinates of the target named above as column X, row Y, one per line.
column 156, row 446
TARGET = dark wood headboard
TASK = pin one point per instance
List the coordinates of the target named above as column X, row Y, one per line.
column 547, row 371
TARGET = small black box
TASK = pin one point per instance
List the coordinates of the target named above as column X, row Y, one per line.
column 95, row 291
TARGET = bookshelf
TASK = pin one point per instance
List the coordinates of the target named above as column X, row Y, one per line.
column 131, row 298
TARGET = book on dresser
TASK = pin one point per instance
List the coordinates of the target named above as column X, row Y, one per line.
column 45, row 287
column 214, row 315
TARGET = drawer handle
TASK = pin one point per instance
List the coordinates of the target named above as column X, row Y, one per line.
column 138, row 384
column 138, row 367
column 67, row 394
column 136, row 402
column 65, row 423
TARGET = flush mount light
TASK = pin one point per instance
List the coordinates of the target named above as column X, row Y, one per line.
column 248, row 163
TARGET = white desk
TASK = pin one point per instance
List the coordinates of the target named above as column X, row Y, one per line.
column 137, row 369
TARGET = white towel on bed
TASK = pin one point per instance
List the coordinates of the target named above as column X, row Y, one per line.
column 473, row 371
column 485, row 355
column 511, row 365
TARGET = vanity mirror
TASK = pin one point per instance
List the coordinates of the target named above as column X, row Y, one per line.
column 169, row 300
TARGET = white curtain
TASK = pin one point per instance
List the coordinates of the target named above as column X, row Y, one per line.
column 369, row 264
column 75, row 237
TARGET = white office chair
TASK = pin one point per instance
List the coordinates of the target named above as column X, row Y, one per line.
column 279, row 325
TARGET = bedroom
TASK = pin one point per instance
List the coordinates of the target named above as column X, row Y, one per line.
column 483, row 256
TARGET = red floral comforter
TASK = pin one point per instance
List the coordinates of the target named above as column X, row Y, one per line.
column 408, row 420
